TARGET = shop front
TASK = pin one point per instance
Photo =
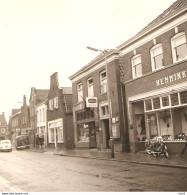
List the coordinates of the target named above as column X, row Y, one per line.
column 86, row 129
column 55, row 133
column 160, row 112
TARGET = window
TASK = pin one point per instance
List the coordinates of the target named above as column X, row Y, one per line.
column 165, row 101
column 83, row 132
column 3, row 130
column 179, row 48
column 90, row 88
column 156, row 103
column 157, row 57
column 51, row 135
column 51, row 104
column 56, row 102
column 136, row 66
column 103, row 82
column 148, row 105
column 174, row 99
column 104, row 110
column 183, row 96
column 80, row 92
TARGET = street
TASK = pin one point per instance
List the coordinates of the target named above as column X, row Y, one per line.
column 27, row 171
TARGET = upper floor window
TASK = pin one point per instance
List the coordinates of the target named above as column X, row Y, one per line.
column 103, row 82
column 136, row 66
column 51, row 104
column 90, row 88
column 179, row 48
column 79, row 92
column 157, row 57
column 56, row 102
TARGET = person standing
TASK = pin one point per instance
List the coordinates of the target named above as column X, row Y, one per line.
column 41, row 142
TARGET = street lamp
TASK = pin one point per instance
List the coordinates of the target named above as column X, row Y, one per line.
column 105, row 51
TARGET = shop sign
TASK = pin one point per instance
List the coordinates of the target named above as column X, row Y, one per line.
column 91, row 102
column 114, row 131
column 171, row 78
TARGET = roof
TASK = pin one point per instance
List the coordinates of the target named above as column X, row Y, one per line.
column 66, row 90
column 41, row 94
column 68, row 102
column 175, row 8
column 15, row 111
column 3, row 120
column 97, row 59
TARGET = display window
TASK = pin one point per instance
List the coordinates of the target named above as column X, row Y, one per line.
column 83, row 130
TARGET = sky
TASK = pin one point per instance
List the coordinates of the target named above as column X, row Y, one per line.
column 40, row 37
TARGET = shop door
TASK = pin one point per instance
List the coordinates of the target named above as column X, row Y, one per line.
column 106, row 132
column 153, row 127
column 92, row 135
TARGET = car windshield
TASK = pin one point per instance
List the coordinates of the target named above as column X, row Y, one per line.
column 5, row 142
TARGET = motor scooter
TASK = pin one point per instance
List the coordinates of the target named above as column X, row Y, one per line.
column 156, row 147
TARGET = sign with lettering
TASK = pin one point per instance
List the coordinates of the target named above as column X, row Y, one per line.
column 171, row 78
column 91, row 102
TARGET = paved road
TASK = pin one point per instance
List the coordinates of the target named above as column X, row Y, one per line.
column 28, row 171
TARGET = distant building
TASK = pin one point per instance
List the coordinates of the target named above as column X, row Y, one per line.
column 42, row 120
column 36, row 97
column 15, row 124
column 59, row 115
column 3, row 127
column 25, row 127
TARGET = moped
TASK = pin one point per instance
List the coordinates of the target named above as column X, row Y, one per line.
column 157, row 147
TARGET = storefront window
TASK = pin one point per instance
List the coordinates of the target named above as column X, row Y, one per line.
column 148, row 105
column 60, row 134
column 165, row 101
column 83, row 132
column 156, row 103
column 174, row 99
column 183, row 96
column 52, row 136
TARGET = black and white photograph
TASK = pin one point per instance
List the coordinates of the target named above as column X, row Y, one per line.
column 93, row 96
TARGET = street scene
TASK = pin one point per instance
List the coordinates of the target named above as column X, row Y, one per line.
column 28, row 171
column 93, row 96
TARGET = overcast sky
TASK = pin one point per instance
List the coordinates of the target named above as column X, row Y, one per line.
column 40, row 37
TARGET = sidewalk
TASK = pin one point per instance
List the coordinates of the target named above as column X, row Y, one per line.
column 138, row 158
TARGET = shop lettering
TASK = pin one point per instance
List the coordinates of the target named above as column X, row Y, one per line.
column 171, row 78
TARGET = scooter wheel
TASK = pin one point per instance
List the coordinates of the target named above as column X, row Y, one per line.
column 155, row 154
column 149, row 152
column 166, row 154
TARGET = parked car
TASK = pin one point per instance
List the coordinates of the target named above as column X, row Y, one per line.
column 22, row 142
column 5, row 145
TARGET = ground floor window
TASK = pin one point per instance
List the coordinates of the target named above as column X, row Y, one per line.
column 169, row 122
column 83, row 132
column 86, row 132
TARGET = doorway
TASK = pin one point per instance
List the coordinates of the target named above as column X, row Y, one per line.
column 106, row 132
column 153, row 127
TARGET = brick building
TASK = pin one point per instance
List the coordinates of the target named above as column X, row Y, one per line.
column 15, row 127
column 25, row 127
column 59, row 115
column 96, row 127
column 3, row 127
column 155, row 78
column 36, row 96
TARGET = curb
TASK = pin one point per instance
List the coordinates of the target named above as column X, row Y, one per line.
column 128, row 161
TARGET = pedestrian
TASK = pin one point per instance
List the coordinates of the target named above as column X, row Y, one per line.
column 185, row 146
column 41, row 142
column 37, row 141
